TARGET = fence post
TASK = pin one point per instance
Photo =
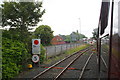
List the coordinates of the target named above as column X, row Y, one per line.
column 66, row 46
column 70, row 45
column 61, row 48
column 55, row 49
column 46, row 53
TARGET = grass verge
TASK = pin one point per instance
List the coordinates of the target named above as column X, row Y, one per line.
column 73, row 50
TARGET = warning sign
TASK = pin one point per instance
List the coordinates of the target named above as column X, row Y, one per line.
column 35, row 46
column 35, row 58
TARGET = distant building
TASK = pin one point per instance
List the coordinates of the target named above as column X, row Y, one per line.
column 74, row 36
column 57, row 40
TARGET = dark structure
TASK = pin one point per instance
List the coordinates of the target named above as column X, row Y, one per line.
column 108, row 42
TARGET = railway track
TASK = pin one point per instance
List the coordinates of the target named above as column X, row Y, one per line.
column 64, row 65
column 103, row 64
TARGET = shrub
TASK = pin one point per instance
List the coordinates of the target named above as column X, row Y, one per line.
column 42, row 55
column 13, row 53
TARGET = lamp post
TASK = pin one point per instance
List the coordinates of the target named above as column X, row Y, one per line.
column 80, row 28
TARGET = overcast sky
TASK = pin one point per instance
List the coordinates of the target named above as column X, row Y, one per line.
column 63, row 16
column 66, row 16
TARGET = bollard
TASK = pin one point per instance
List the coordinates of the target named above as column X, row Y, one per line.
column 29, row 66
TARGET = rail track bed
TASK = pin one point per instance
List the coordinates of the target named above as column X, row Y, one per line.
column 83, row 68
column 104, row 64
column 82, row 64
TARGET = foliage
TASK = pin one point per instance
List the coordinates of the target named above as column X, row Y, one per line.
column 82, row 36
column 78, row 35
column 68, row 38
column 42, row 54
column 63, row 36
column 45, row 33
column 16, row 45
column 95, row 32
column 13, row 34
column 20, row 16
column 14, row 54
column 9, row 70
column 74, row 36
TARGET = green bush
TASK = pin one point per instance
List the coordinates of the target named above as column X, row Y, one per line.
column 42, row 55
column 13, row 56
column 10, row 70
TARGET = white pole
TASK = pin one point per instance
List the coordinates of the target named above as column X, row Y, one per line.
column 80, row 26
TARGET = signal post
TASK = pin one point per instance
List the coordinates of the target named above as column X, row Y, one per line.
column 36, row 51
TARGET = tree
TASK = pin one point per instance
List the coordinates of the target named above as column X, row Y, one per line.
column 82, row 36
column 95, row 32
column 21, row 15
column 75, row 36
column 68, row 39
column 45, row 33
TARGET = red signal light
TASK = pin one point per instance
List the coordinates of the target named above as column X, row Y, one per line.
column 36, row 42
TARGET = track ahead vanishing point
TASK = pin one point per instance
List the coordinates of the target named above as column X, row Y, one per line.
column 62, row 68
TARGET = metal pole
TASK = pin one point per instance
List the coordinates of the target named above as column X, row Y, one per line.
column 80, row 27
column 40, row 52
column 110, row 42
column 61, row 48
column 99, row 58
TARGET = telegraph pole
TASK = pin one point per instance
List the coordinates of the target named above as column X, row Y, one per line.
column 80, row 26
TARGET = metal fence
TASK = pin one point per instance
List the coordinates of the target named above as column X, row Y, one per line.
column 57, row 49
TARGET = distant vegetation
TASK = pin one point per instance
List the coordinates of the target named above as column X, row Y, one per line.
column 95, row 32
column 73, row 37
column 45, row 33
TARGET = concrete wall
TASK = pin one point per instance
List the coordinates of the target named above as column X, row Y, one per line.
column 57, row 49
